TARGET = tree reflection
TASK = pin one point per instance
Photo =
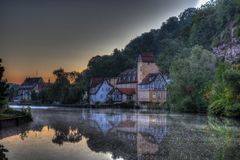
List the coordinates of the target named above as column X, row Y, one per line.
column 226, row 138
column 2, row 153
column 23, row 135
column 138, row 136
column 72, row 135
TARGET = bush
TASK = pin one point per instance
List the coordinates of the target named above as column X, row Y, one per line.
column 217, row 107
column 224, row 92
column 130, row 104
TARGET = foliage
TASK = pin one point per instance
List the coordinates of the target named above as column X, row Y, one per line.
column 207, row 26
column 224, row 92
column 191, row 69
column 223, row 133
column 9, row 113
column 130, row 104
column 189, row 76
column 3, row 89
column 3, row 151
column 68, row 88
column 115, row 63
column 12, row 91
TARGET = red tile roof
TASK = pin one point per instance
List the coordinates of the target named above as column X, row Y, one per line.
column 147, row 57
column 128, row 91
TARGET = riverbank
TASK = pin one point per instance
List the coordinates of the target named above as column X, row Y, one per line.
column 10, row 117
column 14, row 121
column 130, row 105
column 77, row 106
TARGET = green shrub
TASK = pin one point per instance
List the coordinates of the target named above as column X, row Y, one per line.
column 130, row 104
column 217, row 107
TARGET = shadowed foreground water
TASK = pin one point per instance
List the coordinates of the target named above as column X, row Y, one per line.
column 104, row 134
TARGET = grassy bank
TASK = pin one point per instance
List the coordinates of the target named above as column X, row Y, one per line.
column 12, row 114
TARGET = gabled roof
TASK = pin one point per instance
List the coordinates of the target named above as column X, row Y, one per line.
column 128, row 91
column 128, row 76
column 98, row 85
column 95, row 81
column 147, row 57
column 150, row 78
column 114, row 89
column 30, row 83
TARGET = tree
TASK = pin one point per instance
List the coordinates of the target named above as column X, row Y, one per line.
column 223, row 95
column 68, row 88
column 189, row 77
column 3, row 89
column 170, row 49
column 60, row 87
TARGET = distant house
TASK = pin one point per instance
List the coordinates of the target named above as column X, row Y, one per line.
column 99, row 89
column 30, row 85
column 127, row 79
column 122, row 95
column 153, row 89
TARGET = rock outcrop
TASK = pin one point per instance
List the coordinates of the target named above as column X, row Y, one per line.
column 230, row 52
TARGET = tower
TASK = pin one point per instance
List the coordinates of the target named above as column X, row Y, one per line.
column 146, row 65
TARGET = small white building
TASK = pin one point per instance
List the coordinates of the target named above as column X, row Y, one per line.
column 99, row 89
column 30, row 85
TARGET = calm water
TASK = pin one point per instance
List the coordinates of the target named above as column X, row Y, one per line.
column 104, row 134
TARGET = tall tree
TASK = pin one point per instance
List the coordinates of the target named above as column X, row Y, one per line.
column 189, row 77
column 3, row 88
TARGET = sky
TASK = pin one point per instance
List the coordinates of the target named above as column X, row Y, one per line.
column 38, row 36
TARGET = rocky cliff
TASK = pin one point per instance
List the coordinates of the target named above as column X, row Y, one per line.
column 230, row 52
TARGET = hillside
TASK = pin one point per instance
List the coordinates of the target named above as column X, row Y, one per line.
column 212, row 26
column 185, row 48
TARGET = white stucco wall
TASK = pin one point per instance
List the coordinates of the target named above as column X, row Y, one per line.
column 102, row 94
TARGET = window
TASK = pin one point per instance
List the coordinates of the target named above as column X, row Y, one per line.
column 154, row 95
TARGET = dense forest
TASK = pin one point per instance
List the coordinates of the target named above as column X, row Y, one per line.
column 184, row 48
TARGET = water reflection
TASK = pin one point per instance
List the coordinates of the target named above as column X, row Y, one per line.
column 72, row 135
column 2, row 153
column 116, row 134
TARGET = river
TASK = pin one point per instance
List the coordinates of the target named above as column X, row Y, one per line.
column 105, row 134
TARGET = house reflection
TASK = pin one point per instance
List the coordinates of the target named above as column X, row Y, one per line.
column 134, row 136
column 128, row 135
column 123, row 135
